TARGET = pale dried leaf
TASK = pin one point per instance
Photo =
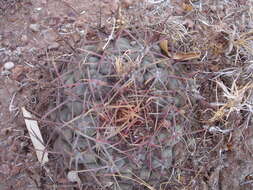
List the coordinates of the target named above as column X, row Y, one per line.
column 164, row 47
column 119, row 65
column 186, row 56
column 36, row 137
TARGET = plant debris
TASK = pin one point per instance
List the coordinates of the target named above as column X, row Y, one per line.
column 128, row 94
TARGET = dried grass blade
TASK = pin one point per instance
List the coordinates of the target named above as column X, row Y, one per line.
column 186, row 56
column 164, row 47
column 36, row 137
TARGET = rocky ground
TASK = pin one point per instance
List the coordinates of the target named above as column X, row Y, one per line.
column 128, row 94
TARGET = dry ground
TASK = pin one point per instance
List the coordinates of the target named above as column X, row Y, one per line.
column 167, row 84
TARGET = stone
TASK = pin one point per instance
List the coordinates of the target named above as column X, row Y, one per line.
column 35, row 27
column 34, row 17
column 49, row 35
column 133, row 43
column 73, row 176
column 24, row 39
column 53, row 45
column 18, row 52
column 9, row 65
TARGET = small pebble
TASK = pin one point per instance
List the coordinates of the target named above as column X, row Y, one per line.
column 73, row 176
column 24, row 38
column 34, row 17
column 49, row 35
column 53, row 45
column 35, row 27
column 133, row 43
column 9, row 65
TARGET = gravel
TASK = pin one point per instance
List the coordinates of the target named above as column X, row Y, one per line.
column 53, row 45
column 9, row 65
column 35, row 27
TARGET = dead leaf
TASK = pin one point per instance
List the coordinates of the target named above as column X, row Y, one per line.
column 36, row 137
column 186, row 56
column 187, row 7
column 119, row 66
column 19, row 71
column 164, row 47
column 127, row 3
column 214, row 68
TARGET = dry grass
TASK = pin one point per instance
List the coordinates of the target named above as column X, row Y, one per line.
column 209, row 54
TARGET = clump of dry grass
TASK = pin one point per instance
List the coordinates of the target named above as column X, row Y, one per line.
column 130, row 115
column 237, row 99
